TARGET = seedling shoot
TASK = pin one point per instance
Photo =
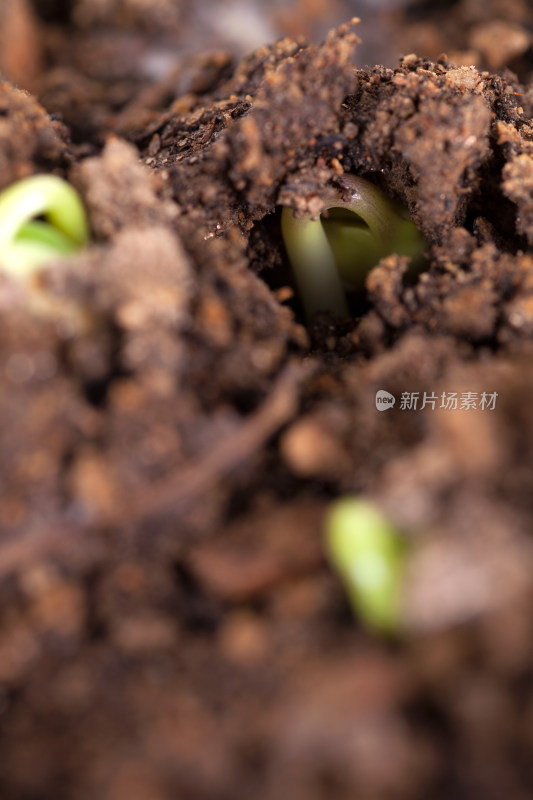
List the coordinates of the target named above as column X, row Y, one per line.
column 334, row 253
column 369, row 555
column 27, row 242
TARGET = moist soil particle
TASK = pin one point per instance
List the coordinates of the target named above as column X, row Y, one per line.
column 172, row 434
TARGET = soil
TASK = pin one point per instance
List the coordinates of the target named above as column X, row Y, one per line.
column 172, row 432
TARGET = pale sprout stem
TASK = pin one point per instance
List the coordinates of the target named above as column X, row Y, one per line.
column 333, row 253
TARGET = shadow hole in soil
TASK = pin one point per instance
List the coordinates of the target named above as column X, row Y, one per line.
column 53, row 10
column 424, row 8
column 96, row 391
column 279, row 481
column 245, row 401
column 200, row 613
column 489, row 203
column 95, row 627
column 426, row 715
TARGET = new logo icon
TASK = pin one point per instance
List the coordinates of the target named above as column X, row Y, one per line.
column 384, row 400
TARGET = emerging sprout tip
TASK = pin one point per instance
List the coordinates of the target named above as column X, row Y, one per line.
column 335, row 253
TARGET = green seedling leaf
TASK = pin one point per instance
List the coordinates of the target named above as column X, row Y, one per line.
column 369, row 555
column 25, row 242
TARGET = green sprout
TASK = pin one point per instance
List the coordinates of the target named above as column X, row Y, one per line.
column 369, row 554
column 333, row 254
column 27, row 242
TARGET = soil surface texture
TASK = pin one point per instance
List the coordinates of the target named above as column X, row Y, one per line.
column 173, row 430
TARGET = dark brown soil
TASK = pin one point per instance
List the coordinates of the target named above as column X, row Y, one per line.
column 171, row 433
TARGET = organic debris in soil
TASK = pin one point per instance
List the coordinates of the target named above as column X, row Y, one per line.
column 168, row 625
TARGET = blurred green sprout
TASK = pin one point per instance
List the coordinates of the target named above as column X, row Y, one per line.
column 334, row 253
column 369, row 555
column 27, row 242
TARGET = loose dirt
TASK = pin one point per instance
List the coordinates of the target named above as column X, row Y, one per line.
column 172, row 433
